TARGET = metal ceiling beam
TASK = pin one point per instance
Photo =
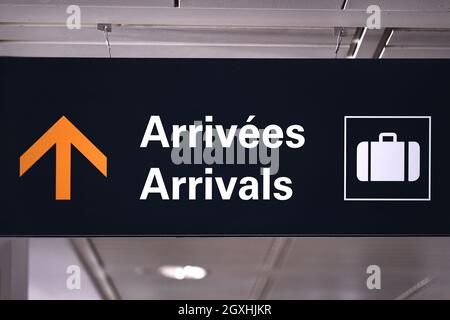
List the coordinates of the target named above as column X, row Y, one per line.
column 143, row 50
column 161, row 51
column 234, row 36
column 85, row 250
column 384, row 41
column 274, row 259
column 223, row 17
column 369, row 44
column 414, row 290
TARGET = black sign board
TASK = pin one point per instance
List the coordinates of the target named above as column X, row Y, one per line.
column 181, row 147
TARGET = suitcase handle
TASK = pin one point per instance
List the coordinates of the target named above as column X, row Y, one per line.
column 388, row 134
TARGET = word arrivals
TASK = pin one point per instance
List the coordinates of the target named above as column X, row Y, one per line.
column 215, row 144
column 249, row 186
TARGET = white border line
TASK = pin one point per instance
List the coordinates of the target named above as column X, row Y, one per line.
column 429, row 158
column 345, row 158
column 387, row 199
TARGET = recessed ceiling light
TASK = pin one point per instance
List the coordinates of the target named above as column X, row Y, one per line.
column 183, row 272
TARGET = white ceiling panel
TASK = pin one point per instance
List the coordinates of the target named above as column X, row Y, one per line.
column 233, row 266
column 137, row 3
column 296, row 268
column 269, row 4
column 421, row 38
column 342, row 285
column 48, row 263
column 219, row 284
column 130, row 41
column 416, row 52
column 327, row 268
column 151, row 252
column 413, row 5
column 418, row 44
column 437, row 290
column 238, row 36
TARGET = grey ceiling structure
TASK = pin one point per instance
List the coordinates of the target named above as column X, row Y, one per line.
column 227, row 28
column 271, row 268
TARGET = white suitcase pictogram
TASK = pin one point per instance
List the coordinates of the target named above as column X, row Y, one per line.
column 387, row 159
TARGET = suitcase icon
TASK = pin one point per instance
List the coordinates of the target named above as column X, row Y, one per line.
column 384, row 160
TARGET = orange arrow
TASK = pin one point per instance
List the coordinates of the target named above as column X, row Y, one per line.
column 63, row 134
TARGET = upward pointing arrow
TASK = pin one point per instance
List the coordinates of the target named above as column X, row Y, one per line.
column 63, row 134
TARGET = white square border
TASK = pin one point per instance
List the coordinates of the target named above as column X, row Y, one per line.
column 387, row 199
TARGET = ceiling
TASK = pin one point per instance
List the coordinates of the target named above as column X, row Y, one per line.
column 227, row 28
column 241, row 268
column 271, row 268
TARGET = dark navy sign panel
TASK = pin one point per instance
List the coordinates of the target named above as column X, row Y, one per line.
column 382, row 185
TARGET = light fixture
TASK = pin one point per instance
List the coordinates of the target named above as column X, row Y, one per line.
column 182, row 272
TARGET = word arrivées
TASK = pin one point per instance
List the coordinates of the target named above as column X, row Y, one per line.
column 249, row 137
